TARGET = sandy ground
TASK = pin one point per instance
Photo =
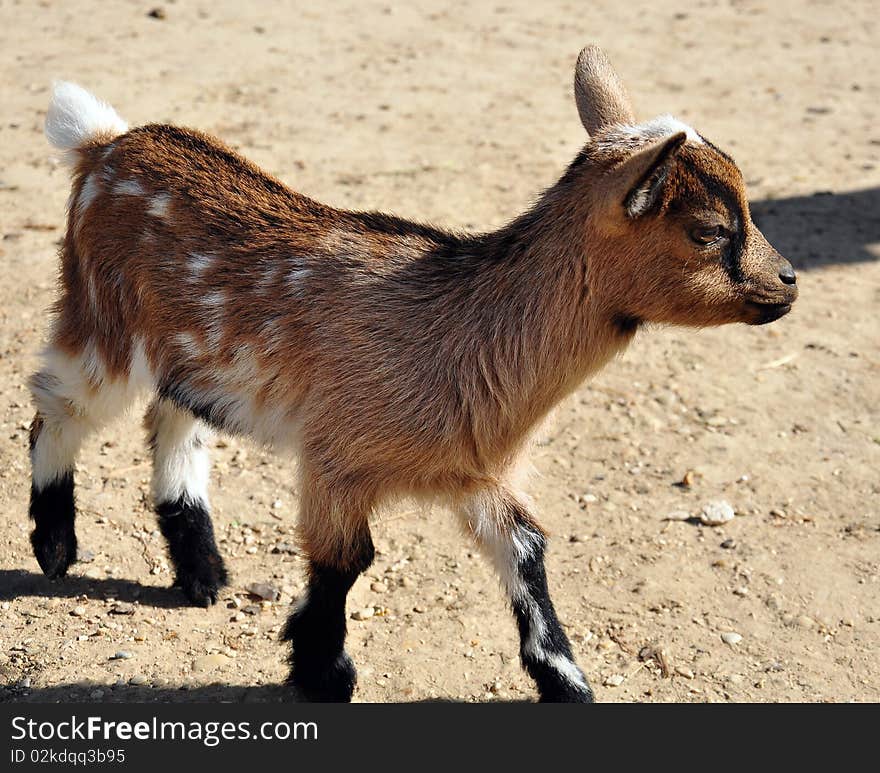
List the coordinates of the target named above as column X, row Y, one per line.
column 459, row 114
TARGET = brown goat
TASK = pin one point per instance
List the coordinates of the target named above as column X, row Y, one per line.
column 395, row 358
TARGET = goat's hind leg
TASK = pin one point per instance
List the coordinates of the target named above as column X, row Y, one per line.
column 504, row 529
column 73, row 399
column 181, row 469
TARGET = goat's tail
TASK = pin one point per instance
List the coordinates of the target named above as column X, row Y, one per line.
column 77, row 119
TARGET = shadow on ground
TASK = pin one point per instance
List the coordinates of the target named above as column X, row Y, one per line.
column 823, row 228
column 17, row 583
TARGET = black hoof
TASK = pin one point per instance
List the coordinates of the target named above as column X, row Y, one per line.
column 201, row 584
column 566, row 693
column 325, row 683
column 53, row 512
column 54, row 548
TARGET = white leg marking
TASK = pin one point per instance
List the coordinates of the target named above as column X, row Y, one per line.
column 181, row 464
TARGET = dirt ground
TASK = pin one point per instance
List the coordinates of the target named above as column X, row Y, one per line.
column 459, row 113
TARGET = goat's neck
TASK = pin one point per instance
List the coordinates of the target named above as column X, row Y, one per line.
column 544, row 323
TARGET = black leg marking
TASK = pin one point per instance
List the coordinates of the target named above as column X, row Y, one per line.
column 53, row 511
column 544, row 648
column 321, row 669
column 198, row 566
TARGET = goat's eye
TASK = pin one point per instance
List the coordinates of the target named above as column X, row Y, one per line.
column 707, row 234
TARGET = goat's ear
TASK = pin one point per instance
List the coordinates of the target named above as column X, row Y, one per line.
column 600, row 96
column 637, row 182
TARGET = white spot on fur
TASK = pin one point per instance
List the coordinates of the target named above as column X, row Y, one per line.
column 189, row 344
column 214, row 304
column 667, row 125
column 75, row 117
column 159, row 205
column 199, row 265
column 635, row 136
column 181, row 464
column 129, row 188
column 295, row 277
column 87, row 194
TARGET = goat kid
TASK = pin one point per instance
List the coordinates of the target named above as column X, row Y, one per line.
column 397, row 359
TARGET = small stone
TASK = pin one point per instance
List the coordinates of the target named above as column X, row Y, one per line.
column 716, row 513
column 96, row 695
column 122, row 655
column 684, row 671
column 277, row 504
column 420, row 610
column 742, row 590
column 378, row 587
column 85, row 556
column 729, row 544
column 210, row 662
column 363, row 614
column 805, row 621
column 78, row 611
column 157, row 13
column 252, row 609
column 264, row 591
column 678, row 515
column 731, row 638
column 138, row 680
column 615, row 680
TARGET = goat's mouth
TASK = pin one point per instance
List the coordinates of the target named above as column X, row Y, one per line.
column 762, row 313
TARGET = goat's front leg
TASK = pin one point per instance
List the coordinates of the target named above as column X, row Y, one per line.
column 335, row 534
column 504, row 529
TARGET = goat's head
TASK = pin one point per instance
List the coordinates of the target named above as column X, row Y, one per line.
column 670, row 208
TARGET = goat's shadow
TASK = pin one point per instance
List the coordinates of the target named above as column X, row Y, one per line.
column 822, row 228
column 17, row 583
column 83, row 692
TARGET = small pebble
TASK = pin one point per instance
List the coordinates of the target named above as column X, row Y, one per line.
column 363, row 614
column 264, row 591
column 138, row 680
column 716, row 513
column 96, row 694
column 684, row 671
column 78, row 611
column 729, row 544
column 122, row 655
column 731, row 638
column 615, row 680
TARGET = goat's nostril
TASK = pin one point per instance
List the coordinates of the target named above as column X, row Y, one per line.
column 787, row 275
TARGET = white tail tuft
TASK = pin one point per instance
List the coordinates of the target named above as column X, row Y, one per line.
column 75, row 117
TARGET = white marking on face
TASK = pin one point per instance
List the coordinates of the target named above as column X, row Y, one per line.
column 129, row 188
column 667, row 125
column 159, row 205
